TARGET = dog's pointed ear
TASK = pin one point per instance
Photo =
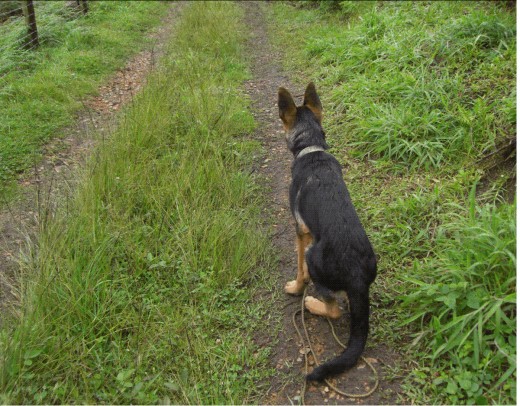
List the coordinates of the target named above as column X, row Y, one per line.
column 286, row 108
column 312, row 101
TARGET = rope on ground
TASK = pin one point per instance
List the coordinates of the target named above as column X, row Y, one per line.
column 317, row 362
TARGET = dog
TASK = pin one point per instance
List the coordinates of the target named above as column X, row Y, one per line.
column 332, row 246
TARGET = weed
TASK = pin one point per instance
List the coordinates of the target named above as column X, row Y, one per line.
column 430, row 61
column 466, row 301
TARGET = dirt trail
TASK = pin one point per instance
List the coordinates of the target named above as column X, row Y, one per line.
column 287, row 358
column 53, row 178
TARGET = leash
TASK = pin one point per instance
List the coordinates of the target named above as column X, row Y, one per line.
column 334, row 388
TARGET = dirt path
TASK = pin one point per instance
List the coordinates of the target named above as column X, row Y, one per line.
column 52, row 179
column 287, row 358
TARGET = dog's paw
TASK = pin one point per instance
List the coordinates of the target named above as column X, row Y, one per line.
column 294, row 288
column 320, row 308
column 315, row 306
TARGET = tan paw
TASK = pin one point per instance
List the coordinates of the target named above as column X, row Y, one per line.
column 294, row 288
column 320, row 308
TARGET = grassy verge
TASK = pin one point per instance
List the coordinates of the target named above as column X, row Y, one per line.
column 41, row 89
column 416, row 94
column 140, row 290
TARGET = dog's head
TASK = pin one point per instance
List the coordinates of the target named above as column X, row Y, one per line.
column 288, row 110
column 306, row 116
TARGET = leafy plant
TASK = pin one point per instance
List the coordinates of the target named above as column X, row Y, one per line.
column 465, row 298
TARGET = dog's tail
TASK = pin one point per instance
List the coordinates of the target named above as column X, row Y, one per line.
column 359, row 309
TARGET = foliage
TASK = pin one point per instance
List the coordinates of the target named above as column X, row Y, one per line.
column 432, row 102
column 466, row 301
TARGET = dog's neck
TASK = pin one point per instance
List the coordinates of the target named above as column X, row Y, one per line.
column 305, row 139
column 308, row 150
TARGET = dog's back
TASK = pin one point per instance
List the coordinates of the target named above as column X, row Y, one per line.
column 340, row 257
column 319, row 196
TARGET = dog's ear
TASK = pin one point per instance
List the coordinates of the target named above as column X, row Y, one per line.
column 286, row 108
column 312, row 101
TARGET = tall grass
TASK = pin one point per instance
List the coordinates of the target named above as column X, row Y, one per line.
column 432, row 103
column 140, row 290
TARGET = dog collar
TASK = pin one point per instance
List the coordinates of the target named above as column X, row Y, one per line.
column 308, row 150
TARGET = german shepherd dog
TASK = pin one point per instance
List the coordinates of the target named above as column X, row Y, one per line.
column 333, row 248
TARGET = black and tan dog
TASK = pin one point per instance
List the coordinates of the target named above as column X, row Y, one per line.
column 333, row 248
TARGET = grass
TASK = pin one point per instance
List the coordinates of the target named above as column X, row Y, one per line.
column 415, row 95
column 466, row 302
column 140, row 288
column 40, row 90
column 424, row 56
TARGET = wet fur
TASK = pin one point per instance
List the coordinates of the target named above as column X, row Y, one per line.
column 340, row 257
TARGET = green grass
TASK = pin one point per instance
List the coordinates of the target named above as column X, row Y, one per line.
column 466, row 302
column 424, row 56
column 415, row 94
column 41, row 89
column 144, row 287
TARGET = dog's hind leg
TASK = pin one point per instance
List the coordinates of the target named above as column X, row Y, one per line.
column 329, row 306
column 297, row 286
column 326, row 308
column 357, row 292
